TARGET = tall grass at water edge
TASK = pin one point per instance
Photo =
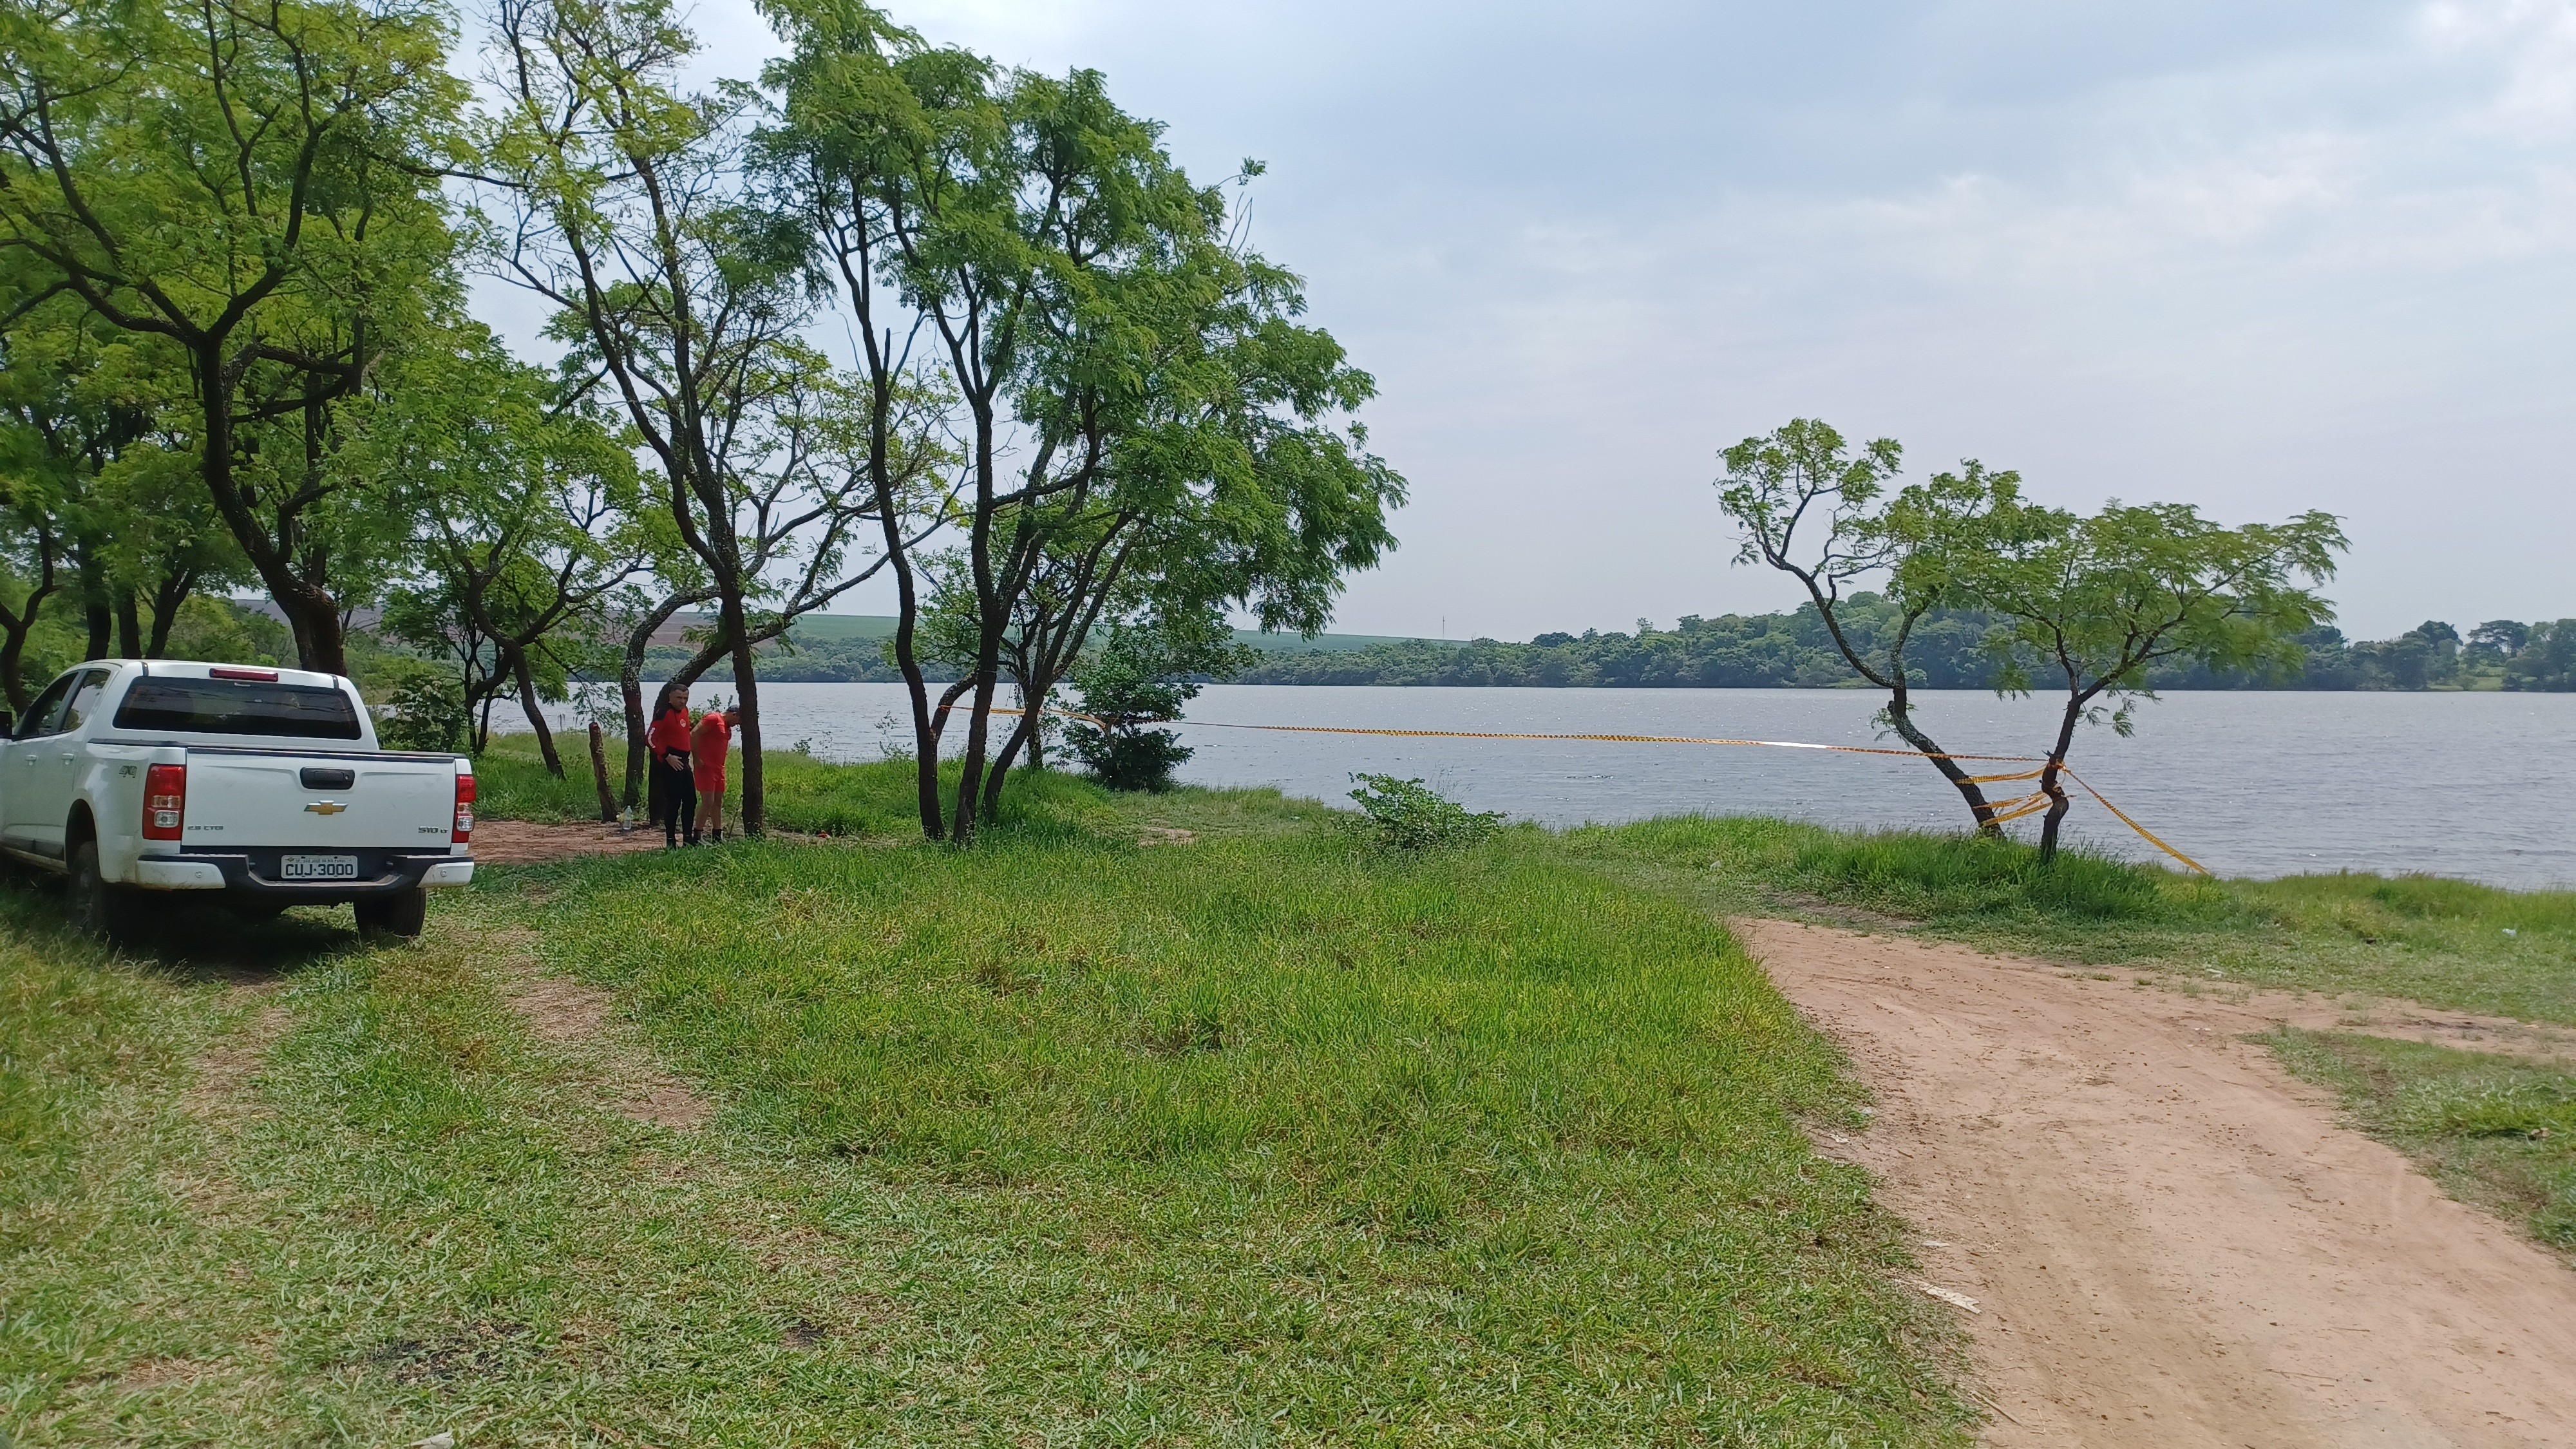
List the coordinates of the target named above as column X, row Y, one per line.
column 2494, row 1131
column 2446, row 943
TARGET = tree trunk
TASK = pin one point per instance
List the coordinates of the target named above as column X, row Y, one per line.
column 167, row 599
column 1900, row 717
column 1025, row 734
column 536, row 717
column 925, row 736
column 129, row 625
column 312, row 614
column 315, row 618
column 749, row 816
column 599, row 773
column 14, row 627
column 2048, row 784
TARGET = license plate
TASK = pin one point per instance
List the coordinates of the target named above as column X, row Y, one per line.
column 318, row 867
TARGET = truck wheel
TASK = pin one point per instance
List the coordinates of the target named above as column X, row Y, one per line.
column 395, row 915
column 89, row 899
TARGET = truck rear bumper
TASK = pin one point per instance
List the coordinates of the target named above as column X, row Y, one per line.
column 178, row 875
column 253, row 873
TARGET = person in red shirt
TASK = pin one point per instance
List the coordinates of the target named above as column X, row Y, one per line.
column 669, row 740
column 707, row 745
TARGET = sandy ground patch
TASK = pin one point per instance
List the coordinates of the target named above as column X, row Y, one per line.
column 2170, row 1241
column 577, row 1020
column 528, row 842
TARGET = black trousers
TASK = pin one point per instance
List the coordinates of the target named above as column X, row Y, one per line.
column 679, row 799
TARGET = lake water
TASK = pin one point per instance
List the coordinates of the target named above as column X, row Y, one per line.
column 2475, row 785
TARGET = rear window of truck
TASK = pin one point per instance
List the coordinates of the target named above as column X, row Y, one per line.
column 238, row 707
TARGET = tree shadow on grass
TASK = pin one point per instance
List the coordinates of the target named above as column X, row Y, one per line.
column 181, row 936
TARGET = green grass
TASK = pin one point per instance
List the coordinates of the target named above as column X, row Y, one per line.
column 805, row 795
column 1267, row 1140
column 2446, row 943
column 2492, row 1131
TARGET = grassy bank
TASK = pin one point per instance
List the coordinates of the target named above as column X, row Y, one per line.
column 2495, row 1132
column 1064, row 1140
column 2445, row 943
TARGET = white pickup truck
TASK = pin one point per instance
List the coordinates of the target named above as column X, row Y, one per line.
column 131, row 775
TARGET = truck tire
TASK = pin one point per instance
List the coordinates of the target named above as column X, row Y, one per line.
column 395, row 915
column 87, row 897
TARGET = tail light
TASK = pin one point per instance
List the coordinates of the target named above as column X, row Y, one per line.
column 464, row 808
column 165, row 801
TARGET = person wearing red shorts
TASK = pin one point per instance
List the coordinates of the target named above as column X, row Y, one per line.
column 707, row 746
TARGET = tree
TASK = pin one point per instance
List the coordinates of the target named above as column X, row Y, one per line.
column 2546, row 660
column 2441, row 650
column 681, row 294
column 2497, row 639
column 1804, row 479
column 527, row 510
column 1137, row 412
column 1143, row 673
column 254, row 184
column 2094, row 602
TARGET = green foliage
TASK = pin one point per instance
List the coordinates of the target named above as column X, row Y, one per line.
column 1732, row 651
column 1145, row 673
column 1408, row 815
column 1128, row 759
column 2492, row 1131
column 2090, row 603
column 1948, row 650
column 2547, row 661
column 223, row 632
column 424, row 709
column 272, row 286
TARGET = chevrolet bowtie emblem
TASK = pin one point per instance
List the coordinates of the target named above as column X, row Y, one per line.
column 326, row 807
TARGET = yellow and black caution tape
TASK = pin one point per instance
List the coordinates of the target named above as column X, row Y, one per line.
column 2005, row 811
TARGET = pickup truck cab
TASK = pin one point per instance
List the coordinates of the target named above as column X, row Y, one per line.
column 130, row 775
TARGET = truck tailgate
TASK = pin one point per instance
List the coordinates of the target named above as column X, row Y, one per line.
column 256, row 799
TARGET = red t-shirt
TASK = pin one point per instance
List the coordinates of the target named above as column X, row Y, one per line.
column 713, row 736
column 670, row 732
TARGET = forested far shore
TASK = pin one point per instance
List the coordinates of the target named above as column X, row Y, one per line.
column 1792, row 651
column 1948, row 650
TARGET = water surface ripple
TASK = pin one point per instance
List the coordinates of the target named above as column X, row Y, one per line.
column 2475, row 785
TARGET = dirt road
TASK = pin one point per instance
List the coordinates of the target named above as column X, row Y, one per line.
column 2170, row 1241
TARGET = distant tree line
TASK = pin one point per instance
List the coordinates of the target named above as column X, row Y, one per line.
column 1949, row 650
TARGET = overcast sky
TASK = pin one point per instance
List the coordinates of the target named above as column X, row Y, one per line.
column 2261, row 257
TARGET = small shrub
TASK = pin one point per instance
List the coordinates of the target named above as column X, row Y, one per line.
column 1409, row 815
column 1127, row 759
column 426, row 711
